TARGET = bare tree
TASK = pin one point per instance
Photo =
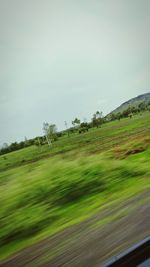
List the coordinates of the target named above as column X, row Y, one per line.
column 50, row 132
column 46, row 132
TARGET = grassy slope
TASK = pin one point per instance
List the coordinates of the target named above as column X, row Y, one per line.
column 44, row 191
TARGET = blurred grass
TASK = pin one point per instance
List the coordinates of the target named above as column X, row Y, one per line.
column 43, row 191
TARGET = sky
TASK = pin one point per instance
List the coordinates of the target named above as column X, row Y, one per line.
column 61, row 59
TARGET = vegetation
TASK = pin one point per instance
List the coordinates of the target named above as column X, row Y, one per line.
column 130, row 111
column 44, row 190
column 50, row 130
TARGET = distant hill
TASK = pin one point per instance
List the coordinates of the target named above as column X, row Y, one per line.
column 132, row 102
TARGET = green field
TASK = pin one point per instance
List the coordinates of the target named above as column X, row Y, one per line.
column 44, row 190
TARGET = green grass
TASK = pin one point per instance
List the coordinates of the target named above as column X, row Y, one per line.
column 43, row 191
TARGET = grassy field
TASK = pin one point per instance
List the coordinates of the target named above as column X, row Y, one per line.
column 44, row 190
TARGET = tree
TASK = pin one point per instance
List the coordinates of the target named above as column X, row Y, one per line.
column 46, row 132
column 50, row 132
column 112, row 116
column 142, row 106
column 26, row 143
column 83, row 127
column 76, row 122
column 118, row 116
column 37, row 142
column 148, row 108
column 14, row 146
column 99, row 114
column 53, row 132
column 97, row 119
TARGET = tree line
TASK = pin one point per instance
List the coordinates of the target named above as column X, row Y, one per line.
column 51, row 134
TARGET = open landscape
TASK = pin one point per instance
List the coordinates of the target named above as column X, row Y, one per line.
column 75, row 133
column 79, row 201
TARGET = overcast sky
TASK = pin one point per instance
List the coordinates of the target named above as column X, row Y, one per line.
column 65, row 58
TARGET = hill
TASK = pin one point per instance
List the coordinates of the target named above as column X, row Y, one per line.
column 132, row 102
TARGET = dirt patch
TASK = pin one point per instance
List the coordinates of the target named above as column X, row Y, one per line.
column 141, row 144
column 123, row 153
column 84, row 244
column 134, row 151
